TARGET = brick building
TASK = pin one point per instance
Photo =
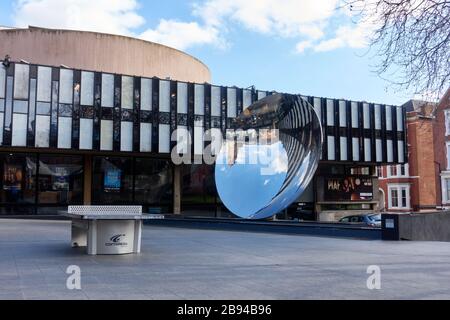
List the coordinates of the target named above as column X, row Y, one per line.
column 442, row 150
column 423, row 184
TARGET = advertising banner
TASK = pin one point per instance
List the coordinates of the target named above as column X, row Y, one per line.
column 348, row 189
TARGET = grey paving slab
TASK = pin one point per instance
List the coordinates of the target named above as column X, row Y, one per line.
column 178, row 263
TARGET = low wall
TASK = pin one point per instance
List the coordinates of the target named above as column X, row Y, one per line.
column 418, row 227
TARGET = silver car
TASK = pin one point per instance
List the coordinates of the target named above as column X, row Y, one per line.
column 371, row 219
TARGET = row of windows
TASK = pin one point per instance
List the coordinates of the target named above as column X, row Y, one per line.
column 394, row 171
column 49, row 107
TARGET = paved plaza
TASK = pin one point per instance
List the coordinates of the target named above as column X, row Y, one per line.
column 178, row 263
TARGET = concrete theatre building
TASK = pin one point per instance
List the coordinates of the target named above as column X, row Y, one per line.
column 88, row 118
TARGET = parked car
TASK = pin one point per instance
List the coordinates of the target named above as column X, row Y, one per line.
column 370, row 219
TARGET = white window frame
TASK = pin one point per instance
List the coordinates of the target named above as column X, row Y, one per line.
column 447, row 122
column 399, row 187
column 445, row 176
column 447, row 146
column 399, row 170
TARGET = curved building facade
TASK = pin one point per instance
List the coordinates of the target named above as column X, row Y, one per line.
column 89, row 118
column 101, row 52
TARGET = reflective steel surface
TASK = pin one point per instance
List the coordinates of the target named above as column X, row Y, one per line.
column 266, row 164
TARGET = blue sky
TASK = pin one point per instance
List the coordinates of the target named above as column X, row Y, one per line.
column 293, row 46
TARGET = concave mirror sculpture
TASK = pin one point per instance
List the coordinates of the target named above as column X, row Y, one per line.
column 270, row 158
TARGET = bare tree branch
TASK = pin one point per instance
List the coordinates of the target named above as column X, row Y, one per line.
column 412, row 39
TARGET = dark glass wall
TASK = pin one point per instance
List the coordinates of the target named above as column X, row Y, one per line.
column 199, row 194
column 153, row 182
column 126, row 180
column 43, row 184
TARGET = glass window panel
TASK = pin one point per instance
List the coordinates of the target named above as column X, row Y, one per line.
column 182, row 98
column 199, row 102
column 19, row 133
column 113, row 181
column 215, row 101
column 106, row 135
column 261, row 95
column 399, row 119
column 404, row 198
column 164, row 96
column 87, row 88
column 86, row 134
column 153, row 182
column 342, row 114
column 379, row 150
column 20, row 106
column 44, row 86
column 367, row 150
column 182, row 146
column 2, row 81
column 331, row 148
column 198, row 141
column 199, row 194
column 146, row 94
column 42, row 131
column 146, row 137
column 18, row 179
column 9, row 104
column 64, row 132
column 216, row 138
column 60, row 180
column 43, row 108
column 164, row 138
column 127, row 92
column 377, row 117
column 247, row 99
column 318, row 108
column 366, row 115
column 107, row 90
column 447, row 181
column 231, row 103
column 330, row 112
column 355, row 147
column 343, row 141
column 66, row 86
column 126, row 136
column 21, row 81
column 390, row 151
column 388, row 118
column 394, row 198
column 401, row 151
column 355, row 115
column 2, row 118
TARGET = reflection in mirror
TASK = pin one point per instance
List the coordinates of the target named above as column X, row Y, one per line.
column 267, row 162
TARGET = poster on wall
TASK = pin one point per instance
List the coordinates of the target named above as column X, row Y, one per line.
column 12, row 177
column 60, row 179
column 348, row 189
column 112, row 181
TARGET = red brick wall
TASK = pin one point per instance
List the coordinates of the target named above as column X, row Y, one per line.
column 440, row 140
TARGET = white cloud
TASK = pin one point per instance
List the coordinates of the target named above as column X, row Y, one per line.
column 309, row 22
column 182, row 35
column 347, row 36
column 112, row 16
column 287, row 18
column 303, row 45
